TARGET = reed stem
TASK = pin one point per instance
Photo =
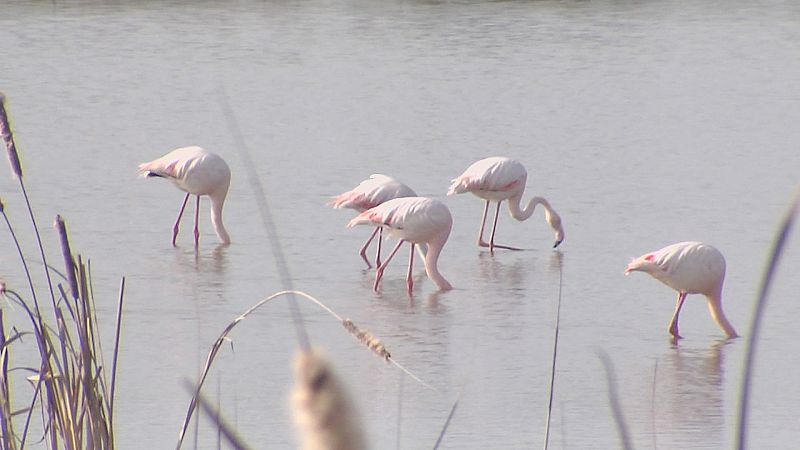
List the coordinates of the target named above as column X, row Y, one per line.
column 553, row 365
column 613, row 398
column 215, row 347
column 761, row 303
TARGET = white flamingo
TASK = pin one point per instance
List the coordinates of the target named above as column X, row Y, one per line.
column 370, row 193
column 196, row 172
column 689, row 268
column 417, row 220
column 497, row 179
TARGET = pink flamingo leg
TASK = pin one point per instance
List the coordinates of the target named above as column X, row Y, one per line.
column 673, row 324
column 378, row 252
column 409, row 280
column 481, row 242
column 494, row 227
column 363, row 251
column 492, row 245
column 177, row 222
column 382, row 267
column 197, row 223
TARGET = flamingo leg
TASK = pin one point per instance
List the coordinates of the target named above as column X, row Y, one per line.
column 363, row 251
column 494, row 227
column 382, row 267
column 409, row 280
column 177, row 222
column 491, row 243
column 378, row 252
column 481, row 242
column 197, row 223
column 673, row 324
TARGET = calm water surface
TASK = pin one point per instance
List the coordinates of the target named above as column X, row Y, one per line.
column 644, row 123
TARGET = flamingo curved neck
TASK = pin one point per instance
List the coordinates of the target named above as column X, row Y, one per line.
column 715, row 308
column 524, row 214
column 216, row 219
column 431, row 265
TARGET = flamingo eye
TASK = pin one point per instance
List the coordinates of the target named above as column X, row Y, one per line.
column 650, row 257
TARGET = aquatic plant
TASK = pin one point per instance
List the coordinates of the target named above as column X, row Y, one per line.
column 363, row 336
column 72, row 389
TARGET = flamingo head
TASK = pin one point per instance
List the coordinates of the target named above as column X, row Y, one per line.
column 645, row 263
column 554, row 220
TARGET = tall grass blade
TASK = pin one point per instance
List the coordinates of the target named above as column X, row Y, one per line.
column 114, row 366
column 447, row 423
column 7, row 436
column 231, row 437
column 553, row 365
column 16, row 169
column 266, row 216
column 398, row 437
column 761, row 303
column 653, row 407
column 21, row 258
column 613, row 398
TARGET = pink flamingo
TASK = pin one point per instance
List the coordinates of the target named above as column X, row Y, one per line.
column 497, row 179
column 196, row 172
column 689, row 268
column 368, row 194
column 417, row 220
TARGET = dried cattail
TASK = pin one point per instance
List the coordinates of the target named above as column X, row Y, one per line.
column 68, row 261
column 322, row 411
column 366, row 338
column 8, row 138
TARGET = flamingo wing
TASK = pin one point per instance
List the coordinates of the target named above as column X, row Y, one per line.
column 371, row 192
column 414, row 219
column 495, row 174
column 173, row 165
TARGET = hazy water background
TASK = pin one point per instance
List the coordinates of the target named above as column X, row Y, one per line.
column 644, row 123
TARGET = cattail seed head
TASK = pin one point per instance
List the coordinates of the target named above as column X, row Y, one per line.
column 8, row 138
column 322, row 412
column 366, row 338
column 69, row 263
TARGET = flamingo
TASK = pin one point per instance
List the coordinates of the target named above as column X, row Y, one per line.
column 417, row 220
column 689, row 268
column 196, row 172
column 496, row 179
column 370, row 193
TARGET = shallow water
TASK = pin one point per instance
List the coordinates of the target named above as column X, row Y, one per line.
column 643, row 124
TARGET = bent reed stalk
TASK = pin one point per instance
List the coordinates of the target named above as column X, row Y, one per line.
column 363, row 336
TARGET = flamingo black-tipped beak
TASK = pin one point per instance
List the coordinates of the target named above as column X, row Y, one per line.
column 557, row 243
